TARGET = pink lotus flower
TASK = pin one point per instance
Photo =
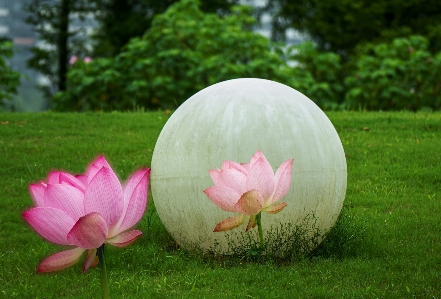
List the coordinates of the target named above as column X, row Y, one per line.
column 87, row 211
column 87, row 59
column 249, row 189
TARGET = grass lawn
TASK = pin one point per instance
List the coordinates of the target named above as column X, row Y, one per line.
column 387, row 245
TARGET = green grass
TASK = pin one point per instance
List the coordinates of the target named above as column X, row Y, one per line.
column 387, row 244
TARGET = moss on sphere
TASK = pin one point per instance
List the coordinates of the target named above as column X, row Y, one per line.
column 231, row 120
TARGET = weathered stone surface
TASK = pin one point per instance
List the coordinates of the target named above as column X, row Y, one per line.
column 231, row 120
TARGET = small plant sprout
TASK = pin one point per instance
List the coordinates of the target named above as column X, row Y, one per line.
column 87, row 211
column 249, row 189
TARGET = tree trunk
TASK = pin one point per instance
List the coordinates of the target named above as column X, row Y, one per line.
column 62, row 44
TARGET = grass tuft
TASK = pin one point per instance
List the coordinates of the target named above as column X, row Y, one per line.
column 348, row 238
column 288, row 243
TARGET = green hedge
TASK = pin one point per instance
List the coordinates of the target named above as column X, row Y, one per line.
column 186, row 50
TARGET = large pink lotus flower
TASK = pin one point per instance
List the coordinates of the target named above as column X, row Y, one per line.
column 87, row 211
column 249, row 189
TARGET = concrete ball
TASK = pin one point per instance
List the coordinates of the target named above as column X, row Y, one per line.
column 231, row 120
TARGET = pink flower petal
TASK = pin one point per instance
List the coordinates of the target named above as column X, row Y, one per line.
column 89, row 232
column 261, row 178
column 52, row 224
column 83, row 179
column 275, row 208
column 104, row 195
column 229, row 223
column 66, row 198
column 251, row 223
column 72, row 180
column 239, row 167
column 256, row 157
column 135, row 200
column 246, row 166
column 91, row 260
column 224, row 197
column 225, row 165
column 54, row 177
column 250, row 203
column 234, row 179
column 95, row 166
column 60, row 260
column 233, row 165
column 93, row 170
column 215, row 176
column 283, row 180
column 37, row 194
column 124, row 239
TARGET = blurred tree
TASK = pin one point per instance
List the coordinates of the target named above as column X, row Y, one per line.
column 51, row 20
column 120, row 20
column 341, row 26
column 317, row 74
column 184, row 51
column 9, row 79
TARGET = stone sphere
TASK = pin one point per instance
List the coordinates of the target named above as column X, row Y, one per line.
column 231, row 120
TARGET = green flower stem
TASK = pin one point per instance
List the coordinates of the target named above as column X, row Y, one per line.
column 104, row 280
column 259, row 227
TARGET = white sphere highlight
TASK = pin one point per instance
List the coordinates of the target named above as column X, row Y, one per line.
column 231, row 120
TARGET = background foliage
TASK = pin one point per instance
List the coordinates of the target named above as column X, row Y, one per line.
column 184, row 51
column 340, row 27
column 388, row 51
column 52, row 20
column 9, row 79
column 316, row 74
column 399, row 75
column 121, row 20
column 156, row 54
column 59, row 25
